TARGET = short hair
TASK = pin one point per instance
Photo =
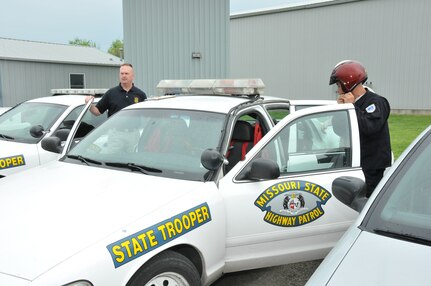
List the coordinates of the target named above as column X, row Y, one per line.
column 126, row 65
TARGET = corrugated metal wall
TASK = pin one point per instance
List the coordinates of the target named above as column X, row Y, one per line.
column 295, row 51
column 23, row 80
column 161, row 35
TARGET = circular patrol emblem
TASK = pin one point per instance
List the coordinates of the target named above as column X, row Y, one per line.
column 294, row 203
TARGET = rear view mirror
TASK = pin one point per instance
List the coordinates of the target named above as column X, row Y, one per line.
column 37, row 131
column 351, row 191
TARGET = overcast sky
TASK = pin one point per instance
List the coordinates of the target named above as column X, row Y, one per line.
column 100, row 21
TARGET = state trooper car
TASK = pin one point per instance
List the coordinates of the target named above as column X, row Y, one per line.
column 4, row 109
column 177, row 190
column 24, row 126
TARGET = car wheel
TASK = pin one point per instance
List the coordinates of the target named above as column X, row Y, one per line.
column 167, row 269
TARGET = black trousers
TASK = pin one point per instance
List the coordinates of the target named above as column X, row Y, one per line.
column 372, row 178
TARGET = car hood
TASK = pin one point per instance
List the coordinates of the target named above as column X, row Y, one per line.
column 380, row 260
column 52, row 212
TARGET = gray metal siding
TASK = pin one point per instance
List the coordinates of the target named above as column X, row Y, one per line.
column 23, row 80
column 161, row 35
column 294, row 51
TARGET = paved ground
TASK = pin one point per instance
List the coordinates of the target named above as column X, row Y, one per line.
column 295, row 274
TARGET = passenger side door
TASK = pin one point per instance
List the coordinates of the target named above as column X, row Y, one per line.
column 292, row 217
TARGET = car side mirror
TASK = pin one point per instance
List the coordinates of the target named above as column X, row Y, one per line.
column 52, row 144
column 37, row 131
column 350, row 191
column 211, row 159
column 261, row 169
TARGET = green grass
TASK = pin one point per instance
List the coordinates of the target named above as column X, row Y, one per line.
column 404, row 129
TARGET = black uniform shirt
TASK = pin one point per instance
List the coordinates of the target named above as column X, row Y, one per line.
column 373, row 111
column 117, row 98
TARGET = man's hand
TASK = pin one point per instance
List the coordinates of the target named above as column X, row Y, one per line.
column 346, row 98
column 88, row 98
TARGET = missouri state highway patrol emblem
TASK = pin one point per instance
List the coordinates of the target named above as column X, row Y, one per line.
column 293, row 203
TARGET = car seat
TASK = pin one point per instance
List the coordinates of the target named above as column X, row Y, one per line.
column 242, row 141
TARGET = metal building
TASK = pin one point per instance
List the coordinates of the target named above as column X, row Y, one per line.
column 176, row 39
column 31, row 69
column 294, row 49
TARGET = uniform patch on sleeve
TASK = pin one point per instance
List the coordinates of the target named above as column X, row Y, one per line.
column 371, row 108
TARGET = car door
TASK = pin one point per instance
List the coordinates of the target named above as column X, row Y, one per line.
column 80, row 123
column 293, row 217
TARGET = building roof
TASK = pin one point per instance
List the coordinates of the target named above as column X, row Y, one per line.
column 297, row 5
column 23, row 50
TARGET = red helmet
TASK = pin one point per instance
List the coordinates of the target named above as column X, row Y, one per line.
column 349, row 74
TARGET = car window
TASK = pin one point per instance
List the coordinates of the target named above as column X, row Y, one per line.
column 314, row 142
column 17, row 122
column 277, row 113
column 404, row 205
column 170, row 140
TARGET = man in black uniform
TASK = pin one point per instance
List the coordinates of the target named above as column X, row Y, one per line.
column 372, row 111
column 120, row 96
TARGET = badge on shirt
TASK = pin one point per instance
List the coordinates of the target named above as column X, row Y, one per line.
column 371, row 108
column 136, row 99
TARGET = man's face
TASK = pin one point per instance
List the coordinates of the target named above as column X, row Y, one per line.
column 126, row 75
column 339, row 89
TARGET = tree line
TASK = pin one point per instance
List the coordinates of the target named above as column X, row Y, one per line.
column 115, row 49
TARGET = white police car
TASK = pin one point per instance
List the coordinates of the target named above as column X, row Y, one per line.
column 171, row 191
column 24, row 126
column 390, row 242
column 4, row 109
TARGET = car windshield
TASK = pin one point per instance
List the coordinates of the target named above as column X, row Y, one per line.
column 403, row 208
column 16, row 123
column 160, row 142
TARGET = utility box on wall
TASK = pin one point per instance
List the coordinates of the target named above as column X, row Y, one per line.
column 176, row 39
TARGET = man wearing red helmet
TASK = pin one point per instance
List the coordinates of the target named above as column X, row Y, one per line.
column 372, row 111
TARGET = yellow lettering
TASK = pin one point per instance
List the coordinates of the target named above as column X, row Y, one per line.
column 126, row 245
column 186, row 221
column 205, row 213
column 178, row 226
column 192, row 218
column 199, row 215
column 136, row 246
column 117, row 251
column 161, row 228
column 142, row 238
column 152, row 238
column 261, row 201
column 170, row 228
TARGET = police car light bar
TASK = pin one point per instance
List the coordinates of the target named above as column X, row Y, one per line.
column 249, row 87
column 80, row 91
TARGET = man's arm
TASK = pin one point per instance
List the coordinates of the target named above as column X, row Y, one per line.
column 93, row 109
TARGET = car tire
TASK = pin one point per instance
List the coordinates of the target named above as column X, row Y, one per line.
column 167, row 269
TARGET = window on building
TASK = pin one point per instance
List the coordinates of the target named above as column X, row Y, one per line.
column 77, row 80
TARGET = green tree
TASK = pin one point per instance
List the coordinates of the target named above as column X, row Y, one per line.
column 82, row 42
column 116, row 48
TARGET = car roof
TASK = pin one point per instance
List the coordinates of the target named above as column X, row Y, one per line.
column 214, row 103
column 71, row 100
column 312, row 102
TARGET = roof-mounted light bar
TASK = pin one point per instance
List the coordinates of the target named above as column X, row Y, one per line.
column 234, row 87
column 80, row 91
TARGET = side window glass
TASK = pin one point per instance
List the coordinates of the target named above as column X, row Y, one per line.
column 278, row 113
column 71, row 118
column 314, row 142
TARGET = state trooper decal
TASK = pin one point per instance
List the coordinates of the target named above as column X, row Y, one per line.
column 292, row 203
